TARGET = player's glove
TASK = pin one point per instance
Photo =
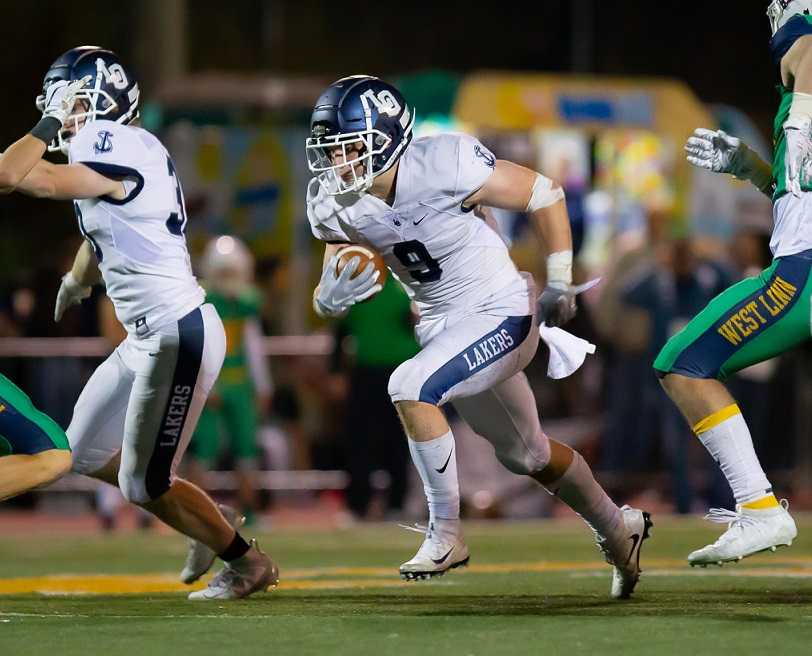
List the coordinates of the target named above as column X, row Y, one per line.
column 337, row 293
column 556, row 305
column 70, row 293
column 799, row 152
column 60, row 98
column 716, row 151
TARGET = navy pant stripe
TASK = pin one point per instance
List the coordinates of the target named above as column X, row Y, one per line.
column 24, row 436
column 476, row 357
column 190, row 354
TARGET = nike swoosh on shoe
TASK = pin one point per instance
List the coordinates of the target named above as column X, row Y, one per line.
column 439, row 561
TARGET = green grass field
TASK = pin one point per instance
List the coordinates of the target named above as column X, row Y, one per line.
column 532, row 588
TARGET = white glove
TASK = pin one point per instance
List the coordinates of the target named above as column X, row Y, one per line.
column 338, row 293
column 70, row 293
column 798, row 155
column 61, row 97
column 716, row 151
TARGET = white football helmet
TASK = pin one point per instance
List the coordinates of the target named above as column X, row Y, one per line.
column 780, row 11
column 227, row 265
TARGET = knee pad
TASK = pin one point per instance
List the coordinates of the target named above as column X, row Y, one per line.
column 406, row 381
column 525, row 454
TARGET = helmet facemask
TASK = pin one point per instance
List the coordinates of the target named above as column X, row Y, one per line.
column 374, row 149
column 342, row 178
column 93, row 102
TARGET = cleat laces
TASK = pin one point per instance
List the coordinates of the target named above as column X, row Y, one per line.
column 416, row 528
column 225, row 578
column 725, row 516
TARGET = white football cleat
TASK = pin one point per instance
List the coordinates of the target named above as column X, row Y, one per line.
column 199, row 558
column 748, row 532
column 622, row 550
column 440, row 552
column 253, row 572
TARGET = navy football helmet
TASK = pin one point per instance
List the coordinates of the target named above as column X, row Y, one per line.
column 357, row 114
column 112, row 92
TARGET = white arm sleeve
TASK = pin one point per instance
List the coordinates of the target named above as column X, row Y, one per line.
column 257, row 363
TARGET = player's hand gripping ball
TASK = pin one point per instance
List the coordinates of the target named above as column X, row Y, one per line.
column 352, row 275
column 367, row 257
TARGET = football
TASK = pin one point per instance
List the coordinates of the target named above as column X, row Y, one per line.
column 368, row 258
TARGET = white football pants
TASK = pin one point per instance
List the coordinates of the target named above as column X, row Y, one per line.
column 145, row 400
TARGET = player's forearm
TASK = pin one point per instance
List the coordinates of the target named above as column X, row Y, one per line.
column 760, row 174
column 18, row 161
column 552, row 225
column 85, row 270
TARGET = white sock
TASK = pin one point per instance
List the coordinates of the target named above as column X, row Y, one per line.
column 436, row 461
column 727, row 438
column 581, row 492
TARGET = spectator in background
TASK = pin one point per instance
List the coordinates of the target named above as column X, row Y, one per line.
column 664, row 291
column 242, row 394
column 378, row 335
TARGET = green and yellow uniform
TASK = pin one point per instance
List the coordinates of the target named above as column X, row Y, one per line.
column 783, row 40
column 233, row 411
column 24, row 430
column 760, row 317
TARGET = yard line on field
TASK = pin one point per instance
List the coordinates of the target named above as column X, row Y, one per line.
column 131, row 617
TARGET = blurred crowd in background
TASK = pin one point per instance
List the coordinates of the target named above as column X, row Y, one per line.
column 664, row 239
column 662, row 252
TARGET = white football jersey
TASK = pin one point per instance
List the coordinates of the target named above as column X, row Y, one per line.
column 140, row 241
column 450, row 260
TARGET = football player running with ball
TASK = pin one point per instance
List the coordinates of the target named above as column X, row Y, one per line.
column 760, row 317
column 134, row 418
column 415, row 202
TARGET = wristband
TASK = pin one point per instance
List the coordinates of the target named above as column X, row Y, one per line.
column 47, row 129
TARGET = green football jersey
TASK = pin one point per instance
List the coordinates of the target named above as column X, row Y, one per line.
column 235, row 312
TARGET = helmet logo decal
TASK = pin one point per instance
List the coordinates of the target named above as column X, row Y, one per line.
column 103, row 145
column 384, row 101
column 114, row 74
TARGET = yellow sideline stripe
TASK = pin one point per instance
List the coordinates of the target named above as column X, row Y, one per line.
column 716, row 418
column 761, row 504
column 306, row 579
column 146, row 584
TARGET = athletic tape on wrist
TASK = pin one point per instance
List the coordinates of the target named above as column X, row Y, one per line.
column 559, row 267
column 800, row 113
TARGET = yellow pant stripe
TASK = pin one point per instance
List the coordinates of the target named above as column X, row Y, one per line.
column 762, row 504
column 716, row 418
